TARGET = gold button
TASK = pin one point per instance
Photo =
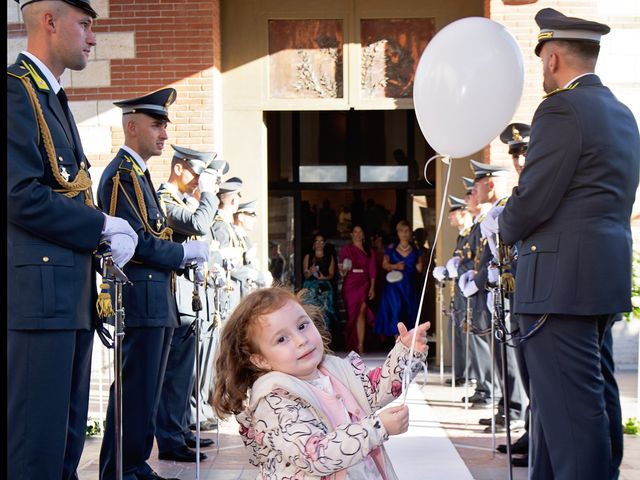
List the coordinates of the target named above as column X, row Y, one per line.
column 150, row 276
column 45, row 259
column 533, row 248
column 60, row 158
column 82, row 164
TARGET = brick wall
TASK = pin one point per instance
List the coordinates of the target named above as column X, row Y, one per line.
column 142, row 46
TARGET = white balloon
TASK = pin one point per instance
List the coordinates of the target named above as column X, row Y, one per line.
column 468, row 85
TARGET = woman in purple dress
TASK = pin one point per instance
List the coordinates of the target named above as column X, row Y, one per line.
column 399, row 303
column 358, row 266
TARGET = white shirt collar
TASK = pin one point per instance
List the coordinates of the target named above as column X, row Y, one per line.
column 579, row 76
column 53, row 82
column 141, row 163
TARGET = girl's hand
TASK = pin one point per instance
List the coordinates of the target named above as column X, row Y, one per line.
column 421, row 337
column 399, row 266
column 372, row 293
column 395, row 419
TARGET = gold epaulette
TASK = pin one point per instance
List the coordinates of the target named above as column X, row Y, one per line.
column 502, row 202
column 480, row 218
column 465, row 232
column 17, row 71
column 40, row 82
column 558, row 90
column 128, row 164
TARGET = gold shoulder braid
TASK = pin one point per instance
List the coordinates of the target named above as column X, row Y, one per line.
column 165, row 233
column 558, row 90
column 82, row 182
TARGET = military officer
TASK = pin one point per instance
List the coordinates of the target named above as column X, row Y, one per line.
column 225, row 258
column 53, row 228
column 570, row 216
column 127, row 191
column 459, row 218
column 516, row 136
column 492, row 185
column 249, row 274
column 192, row 172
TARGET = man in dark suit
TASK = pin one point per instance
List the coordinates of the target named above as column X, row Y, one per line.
column 193, row 174
column 53, row 228
column 570, row 216
column 151, row 313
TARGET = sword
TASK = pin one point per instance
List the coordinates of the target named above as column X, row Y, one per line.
column 112, row 272
column 196, row 306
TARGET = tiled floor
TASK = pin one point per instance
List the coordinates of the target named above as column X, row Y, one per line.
column 444, row 441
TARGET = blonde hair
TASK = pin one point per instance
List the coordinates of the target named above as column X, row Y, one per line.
column 235, row 373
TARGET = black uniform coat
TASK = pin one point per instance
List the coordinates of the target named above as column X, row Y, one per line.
column 572, row 205
column 150, row 315
column 51, row 290
column 149, row 302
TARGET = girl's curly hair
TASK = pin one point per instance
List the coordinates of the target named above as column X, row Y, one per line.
column 235, row 373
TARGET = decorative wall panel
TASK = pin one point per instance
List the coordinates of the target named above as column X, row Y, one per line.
column 305, row 59
column 391, row 50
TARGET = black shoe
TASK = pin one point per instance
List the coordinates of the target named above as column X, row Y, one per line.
column 204, row 442
column 459, row 382
column 181, row 454
column 477, row 397
column 501, row 427
column 205, row 426
column 520, row 461
column 517, row 448
column 487, row 421
column 154, row 476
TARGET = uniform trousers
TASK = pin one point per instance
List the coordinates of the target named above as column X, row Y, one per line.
column 572, row 392
column 172, row 428
column 48, row 373
column 144, row 358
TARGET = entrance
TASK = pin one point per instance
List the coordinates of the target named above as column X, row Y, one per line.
column 330, row 170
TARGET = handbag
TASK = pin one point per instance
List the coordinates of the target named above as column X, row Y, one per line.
column 394, row 276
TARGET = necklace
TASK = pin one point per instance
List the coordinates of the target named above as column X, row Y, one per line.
column 404, row 247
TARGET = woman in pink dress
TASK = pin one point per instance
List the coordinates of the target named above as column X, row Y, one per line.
column 358, row 266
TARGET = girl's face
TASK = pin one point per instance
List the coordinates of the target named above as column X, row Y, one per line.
column 288, row 342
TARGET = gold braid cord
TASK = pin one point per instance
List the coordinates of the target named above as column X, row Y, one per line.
column 165, row 234
column 82, row 182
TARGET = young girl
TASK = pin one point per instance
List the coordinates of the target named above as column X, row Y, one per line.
column 307, row 414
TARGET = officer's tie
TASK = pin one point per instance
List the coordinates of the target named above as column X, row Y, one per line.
column 64, row 101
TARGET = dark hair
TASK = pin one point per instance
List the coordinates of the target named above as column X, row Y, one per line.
column 366, row 242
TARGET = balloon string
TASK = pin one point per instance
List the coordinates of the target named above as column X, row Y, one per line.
column 406, row 377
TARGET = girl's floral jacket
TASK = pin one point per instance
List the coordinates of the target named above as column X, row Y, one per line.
column 291, row 438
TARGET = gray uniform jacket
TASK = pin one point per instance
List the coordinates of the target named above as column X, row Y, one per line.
column 572, row 206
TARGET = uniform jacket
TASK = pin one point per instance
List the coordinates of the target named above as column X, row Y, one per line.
column 149, row 301
column 572, row 206
column 50, row 237
column 289, row 435
column 188, row 221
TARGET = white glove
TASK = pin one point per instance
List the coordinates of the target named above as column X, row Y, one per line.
column 265, row 279
column 232, row 253
column 199, row 274
column 493, row 274
column 207, row 182
column 452, row 266
column 122, row 248
column 439, row 273
column 466, row 283
column 195, row 251
column 490, row 305
column 489, row 226
column 117, row 225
